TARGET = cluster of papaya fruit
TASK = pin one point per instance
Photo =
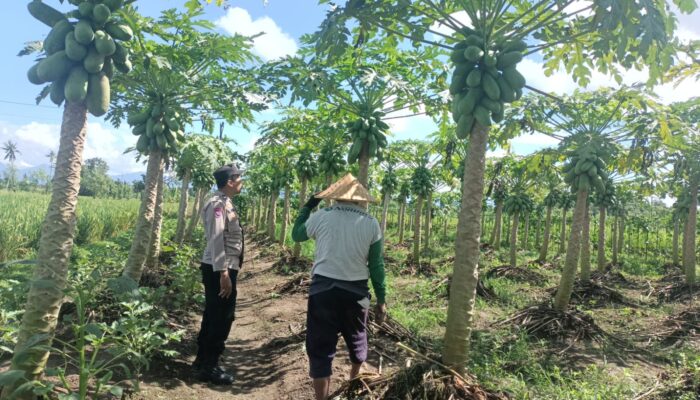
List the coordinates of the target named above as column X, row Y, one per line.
column 421, row 181
column 82, row 49
column 518, row 202
column 158, row 128
column 390, row 182
column 306, row 167
column 585, row 170
column 330, row 160
column 484, row 79
column 368, row 129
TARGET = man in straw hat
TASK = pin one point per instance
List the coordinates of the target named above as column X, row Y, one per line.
column 349, row 248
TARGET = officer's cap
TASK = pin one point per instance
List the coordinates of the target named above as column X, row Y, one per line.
column 227, row 172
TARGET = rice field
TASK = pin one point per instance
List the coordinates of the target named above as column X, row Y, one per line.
column 21, row 215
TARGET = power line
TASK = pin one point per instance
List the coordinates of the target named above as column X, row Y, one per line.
column 26, row 104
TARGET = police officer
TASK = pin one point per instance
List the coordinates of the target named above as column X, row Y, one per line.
column 221, row 262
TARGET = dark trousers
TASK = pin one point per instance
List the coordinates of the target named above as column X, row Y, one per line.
column 219, row 314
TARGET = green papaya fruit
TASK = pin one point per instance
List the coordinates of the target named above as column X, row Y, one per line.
column 108, row 68
column 493, row 106
column 491, row 88
column 119, row 31
column 54, row 67
column 457, row 56
column 507, row 60
column 56, row 92
column 507, row 92
column 470, row 100
column 474, row 40
column 515, row 45
column 142, row 144
column 74, row 50
column 100, row 14
column 84, row 33
column 94, row 61
column 482, row 115
column 33, row 75
column 104, row 43
column 45, row 13
column 473, row 53
column 98, row 96
column 56, row 39
column 76, row 88
column 149, row 127
column 139, row 129
column 514, row 78
column 474, row 78
column 138, row 118
column 464, row 125
column 124, row 67
column 113, row 5
column 85, row 8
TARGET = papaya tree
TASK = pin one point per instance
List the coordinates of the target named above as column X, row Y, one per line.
column 516, row 204
column 421, row 187
column 585, row 255
column 404, row 192
column 389, row 184
column 551, row 201
column 604, row 200
column 185, row 72
column 579, row 35
column 366, row 87
column 77, row 61
column 306, row 170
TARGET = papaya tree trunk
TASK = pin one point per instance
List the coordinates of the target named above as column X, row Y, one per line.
column 538, row 236
column 562, row 233
column 444, row 227
column 613, row 241
column 621, row 237
column 272, row 214
column 182, row 210
column 689, row 235
column 568, row 275
column 496, row 243
column 285, row 216
column 526, row 232
column 385, row 210
column 545, row 240
column 676, row 233
column 402, row 218
column 265, row 212
column 153, row 259
column 514, row 240
column 460, row 310
column 428, row 221
column 302, row 200
column 253, row 212
column 55, row 246
column 585, row 261
column 416, row 229
column 196, row 211
column 601, row 239
column 144, row 223
column 363, row 162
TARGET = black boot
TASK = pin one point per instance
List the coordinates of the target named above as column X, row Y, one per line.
column 215, row 375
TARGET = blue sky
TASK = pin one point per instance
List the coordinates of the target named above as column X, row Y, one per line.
column 36, row 128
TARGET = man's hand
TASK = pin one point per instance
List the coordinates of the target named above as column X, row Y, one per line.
column 312, row 202
column 380, row 313
column 225, row 285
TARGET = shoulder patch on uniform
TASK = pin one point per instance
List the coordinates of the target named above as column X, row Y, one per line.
column 218, row 212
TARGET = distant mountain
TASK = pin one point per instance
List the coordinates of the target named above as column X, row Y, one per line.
column 130, row 177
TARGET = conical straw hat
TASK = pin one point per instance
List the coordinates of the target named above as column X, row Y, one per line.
column 348, row 188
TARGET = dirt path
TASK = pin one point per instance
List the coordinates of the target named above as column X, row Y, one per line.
column 265, row 350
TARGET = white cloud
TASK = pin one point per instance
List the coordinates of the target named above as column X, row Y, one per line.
column 273, row 44
column 461, row 16
column 35, row 140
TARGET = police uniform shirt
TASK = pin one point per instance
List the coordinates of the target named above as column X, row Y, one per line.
column 224, row 233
